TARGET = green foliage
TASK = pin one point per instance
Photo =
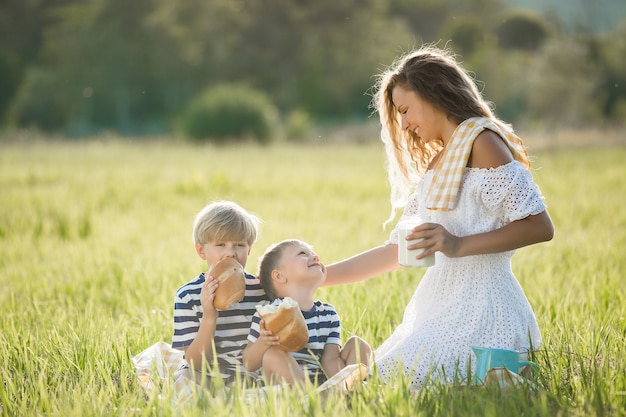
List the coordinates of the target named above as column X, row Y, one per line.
column 298, row 125
column 111, row 65
column 466, row 34
column 612, row 88
column 95, row 239
column 522, row 29
column 11, row 74
column 229, row 112
column 102, row 68
column 502, row 76
column 39, row 102
column 556, row 99
column 424, row 19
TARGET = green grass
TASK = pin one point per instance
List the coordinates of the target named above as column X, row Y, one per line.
column 96, row 237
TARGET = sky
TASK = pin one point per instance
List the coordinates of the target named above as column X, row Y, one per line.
column 596, row 15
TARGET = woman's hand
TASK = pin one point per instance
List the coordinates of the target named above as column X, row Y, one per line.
column 435, row 238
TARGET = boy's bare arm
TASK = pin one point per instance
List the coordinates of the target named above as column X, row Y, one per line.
column 253, row 352
column 331, row 359
column 253, row 355
column 202, row 345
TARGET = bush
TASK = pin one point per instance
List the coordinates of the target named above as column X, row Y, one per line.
column 523, row 30
column 229, row 112
column 563, row 100
column 467, row 34
column 298, row 125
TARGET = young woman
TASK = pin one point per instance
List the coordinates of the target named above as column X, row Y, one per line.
column 452, row 161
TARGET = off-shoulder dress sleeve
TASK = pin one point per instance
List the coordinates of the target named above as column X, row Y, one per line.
column 510, row 191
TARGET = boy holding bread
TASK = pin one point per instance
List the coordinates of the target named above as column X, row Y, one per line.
column 212, row 312
column 297, row 338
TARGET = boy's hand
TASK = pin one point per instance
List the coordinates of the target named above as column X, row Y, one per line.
column 207, row 295
column 265, row 336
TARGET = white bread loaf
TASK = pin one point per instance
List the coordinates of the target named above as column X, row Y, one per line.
column 287, row 322
column 232, row 283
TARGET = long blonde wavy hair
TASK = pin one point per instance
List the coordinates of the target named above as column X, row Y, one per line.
column 435, row 76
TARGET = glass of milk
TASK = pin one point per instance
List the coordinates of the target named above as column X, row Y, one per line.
column 407, row 257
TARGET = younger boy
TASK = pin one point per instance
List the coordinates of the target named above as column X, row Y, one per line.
column 221, row 229
column 292, row 269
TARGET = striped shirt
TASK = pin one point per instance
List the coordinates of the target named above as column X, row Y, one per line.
column 232, row 325
column 324, row 328
column 444, row 188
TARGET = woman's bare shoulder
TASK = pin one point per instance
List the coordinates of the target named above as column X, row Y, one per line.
column 489, row 151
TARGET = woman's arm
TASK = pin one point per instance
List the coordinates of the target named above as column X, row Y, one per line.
column 517, row 234
column 368, row 264
column 488, row 151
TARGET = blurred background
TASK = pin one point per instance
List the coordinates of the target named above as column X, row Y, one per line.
column 223, row 70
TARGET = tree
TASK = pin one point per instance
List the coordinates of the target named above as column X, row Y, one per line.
column 522, row 29
column 315, row 56
column 612, row 73
column 424, row 17
column 466, row 35
column 103, row 68
column 22, row 27
column 558, row 99
column 10, row 80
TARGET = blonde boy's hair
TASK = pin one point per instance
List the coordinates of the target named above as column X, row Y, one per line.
column 225, row 221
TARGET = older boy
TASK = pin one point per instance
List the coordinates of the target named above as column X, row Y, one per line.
column 221, row 229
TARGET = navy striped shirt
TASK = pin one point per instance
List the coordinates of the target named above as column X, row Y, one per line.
column 232, row 325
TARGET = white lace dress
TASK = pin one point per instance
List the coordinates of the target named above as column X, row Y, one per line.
column 469, row 301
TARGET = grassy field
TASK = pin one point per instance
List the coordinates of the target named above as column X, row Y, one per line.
column 95, row 238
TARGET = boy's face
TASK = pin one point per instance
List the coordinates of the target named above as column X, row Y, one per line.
column 301, row 265
column 213, row 252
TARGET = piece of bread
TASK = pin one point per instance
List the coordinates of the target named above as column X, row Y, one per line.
column 287, row 322
column 232, row 281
